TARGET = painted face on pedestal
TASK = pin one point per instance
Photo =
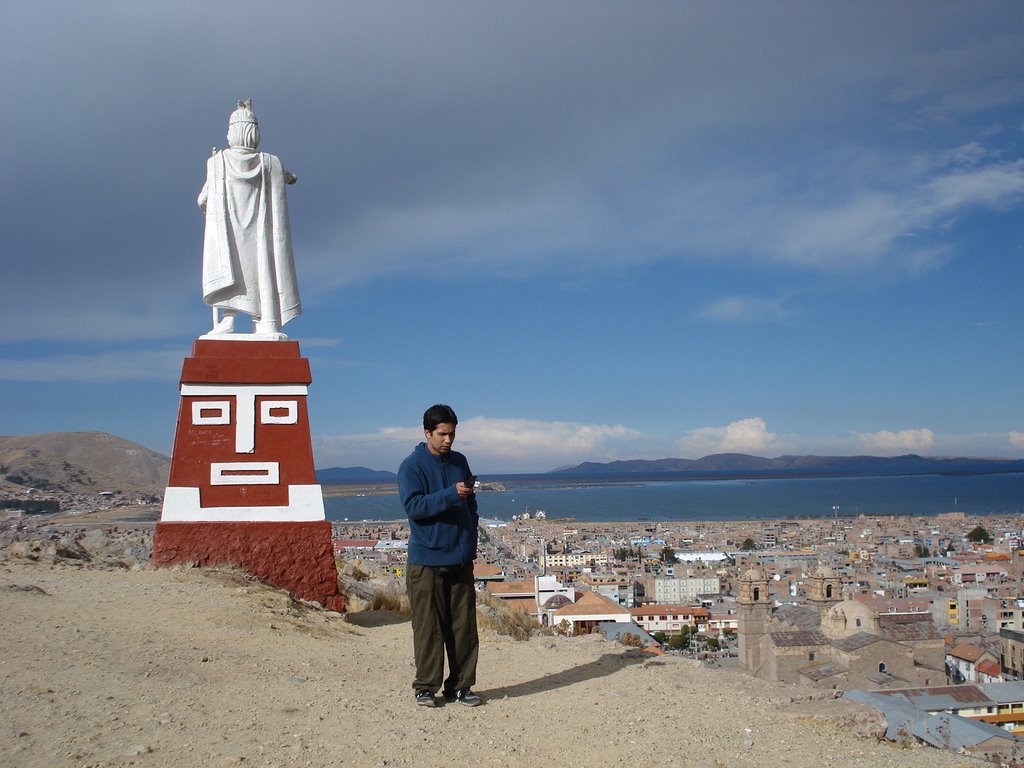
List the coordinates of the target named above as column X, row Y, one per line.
column 247, row 439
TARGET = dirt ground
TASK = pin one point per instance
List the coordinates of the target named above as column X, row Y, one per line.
column 104, row 666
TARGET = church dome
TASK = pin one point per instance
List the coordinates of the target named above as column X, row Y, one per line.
column 557, row 601
column 753, row 574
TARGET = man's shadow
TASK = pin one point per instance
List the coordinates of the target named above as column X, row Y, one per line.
column 607, row 664
column 380, row 618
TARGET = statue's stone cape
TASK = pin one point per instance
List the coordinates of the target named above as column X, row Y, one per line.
column 247, row 253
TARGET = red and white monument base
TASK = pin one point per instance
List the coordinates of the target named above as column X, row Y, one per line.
column 242, row 487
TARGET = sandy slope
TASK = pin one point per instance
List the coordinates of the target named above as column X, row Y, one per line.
column 206, row 668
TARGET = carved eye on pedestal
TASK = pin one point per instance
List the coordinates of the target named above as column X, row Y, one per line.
column 279, row 412
column 211, row 412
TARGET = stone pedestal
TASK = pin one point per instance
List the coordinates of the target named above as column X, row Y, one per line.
column 242, row 487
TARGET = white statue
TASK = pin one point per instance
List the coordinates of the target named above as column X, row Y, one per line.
column 247, row 252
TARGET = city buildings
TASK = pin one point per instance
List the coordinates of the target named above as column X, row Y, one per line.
column 876, row 602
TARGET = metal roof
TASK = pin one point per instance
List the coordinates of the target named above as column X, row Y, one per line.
column 797, row 615
column 856, row 642
column 942, row 730
column 801, row 638
column 914, row 617
column 918, row 630
column 823, row 671
column 615, row 630
column 1004, row 693
column 943, row 697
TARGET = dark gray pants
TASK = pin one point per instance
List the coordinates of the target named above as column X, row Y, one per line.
column 443, row 603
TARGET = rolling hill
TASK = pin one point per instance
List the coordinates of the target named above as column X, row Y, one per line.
column 81, row 462
column 354, row 475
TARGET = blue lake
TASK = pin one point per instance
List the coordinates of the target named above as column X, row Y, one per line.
column 735, row 499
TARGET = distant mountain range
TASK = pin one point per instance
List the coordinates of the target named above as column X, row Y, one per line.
column 354, row 475
column 724, row 465
column 742, row 464
column 97, row 461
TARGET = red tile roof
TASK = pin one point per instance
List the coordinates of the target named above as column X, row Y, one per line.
column 340, row 544
column 967, row 652
column 990, row 668
column 591, row 604
column 526, row 605
column 500, row 588
column 668, row 610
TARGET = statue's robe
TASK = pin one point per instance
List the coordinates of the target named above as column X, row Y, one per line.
column 247, row 253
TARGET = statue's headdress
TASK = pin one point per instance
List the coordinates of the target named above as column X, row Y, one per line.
column 243, row 114
column 243, row 130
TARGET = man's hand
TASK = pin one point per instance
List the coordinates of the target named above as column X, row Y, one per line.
column 463, row 490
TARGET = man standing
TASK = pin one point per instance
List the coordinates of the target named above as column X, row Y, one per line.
column 436, row 488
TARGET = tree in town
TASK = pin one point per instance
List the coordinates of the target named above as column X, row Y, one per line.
column 681, row 639
column 979, row 535
column 748, row 544
column 668, row 555
column 622, row 554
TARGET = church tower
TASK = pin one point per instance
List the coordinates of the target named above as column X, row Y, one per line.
column 825, row 589
column 754, row 608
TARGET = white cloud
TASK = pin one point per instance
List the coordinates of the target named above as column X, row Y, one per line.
column 887, row 443
column 970, row 154
column 880, row 212
column 992, row 185
column 491, row 444
column 746, row 309
column 529, row 445
column 950, row 80
column 857, row 219
column 742, row 436
column 77, row 319
column 869, row 228
column 99, row 368
column 525, row 441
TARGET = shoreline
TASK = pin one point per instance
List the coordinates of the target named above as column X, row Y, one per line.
column 148, row 519
column 335, row 490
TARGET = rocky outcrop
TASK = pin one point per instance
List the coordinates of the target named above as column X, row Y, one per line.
column 98, row 548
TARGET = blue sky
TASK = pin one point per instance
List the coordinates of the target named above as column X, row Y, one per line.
column 599, row 230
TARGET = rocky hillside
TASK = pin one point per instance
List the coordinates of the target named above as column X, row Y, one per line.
column 81, row 462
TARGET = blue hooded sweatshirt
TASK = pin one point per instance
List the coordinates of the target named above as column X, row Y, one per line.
column 442, row 526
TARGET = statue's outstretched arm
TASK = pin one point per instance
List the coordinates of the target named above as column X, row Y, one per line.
column 204, row 195
column 289, row 177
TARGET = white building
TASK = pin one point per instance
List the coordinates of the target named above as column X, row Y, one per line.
column 684, row 591
column 572, row 560
column 701, row 557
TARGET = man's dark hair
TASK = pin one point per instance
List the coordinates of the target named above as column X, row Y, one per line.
column 439, row 414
